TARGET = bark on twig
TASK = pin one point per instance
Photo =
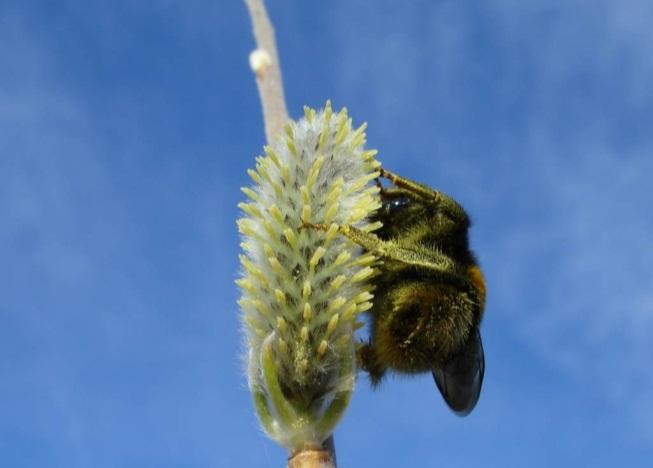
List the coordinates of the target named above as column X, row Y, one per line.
column 265, row 64
column 311, row 459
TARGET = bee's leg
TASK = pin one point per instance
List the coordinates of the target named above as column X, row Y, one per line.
column 415, row 255
column 428, row 195
column 407, row 184
column 390, row 193
column 367, row 360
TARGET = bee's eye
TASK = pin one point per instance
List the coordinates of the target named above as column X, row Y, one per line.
column 396, row 204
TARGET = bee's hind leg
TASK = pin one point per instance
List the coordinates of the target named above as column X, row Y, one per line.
column 368, row 361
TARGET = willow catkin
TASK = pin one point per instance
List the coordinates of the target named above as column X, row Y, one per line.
column 302, row 287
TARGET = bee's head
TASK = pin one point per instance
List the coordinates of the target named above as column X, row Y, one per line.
column 443, row 224
column 399, row 212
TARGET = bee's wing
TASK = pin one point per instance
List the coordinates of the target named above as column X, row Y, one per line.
column 460, row 380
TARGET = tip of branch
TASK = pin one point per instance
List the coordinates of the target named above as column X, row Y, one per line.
column 259, row 60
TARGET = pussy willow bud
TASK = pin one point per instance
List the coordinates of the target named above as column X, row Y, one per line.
column 303, row 285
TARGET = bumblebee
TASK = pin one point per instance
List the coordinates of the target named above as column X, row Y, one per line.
column 429, row 295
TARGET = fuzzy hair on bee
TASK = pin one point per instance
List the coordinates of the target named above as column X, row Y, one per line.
column 429, row 295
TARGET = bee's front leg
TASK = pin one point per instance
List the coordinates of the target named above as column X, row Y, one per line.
column 428, row 195
column 407, row 184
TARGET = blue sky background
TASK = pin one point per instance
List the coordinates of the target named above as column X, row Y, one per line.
column 125, row 134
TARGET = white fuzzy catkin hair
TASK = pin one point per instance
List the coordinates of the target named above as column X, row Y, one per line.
column 303, row 287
